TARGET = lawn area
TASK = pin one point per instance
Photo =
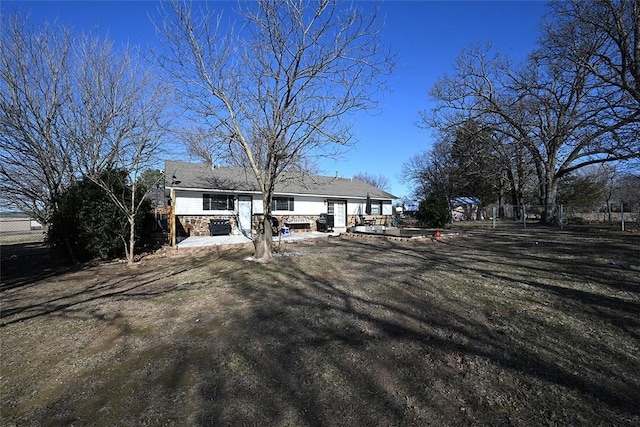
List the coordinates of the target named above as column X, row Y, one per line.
column 508, row 327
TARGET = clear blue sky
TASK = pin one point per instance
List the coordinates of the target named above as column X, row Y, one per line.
column 427, row 35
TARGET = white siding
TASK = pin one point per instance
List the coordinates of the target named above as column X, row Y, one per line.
column 355, row 207
column 305, row 205
column 387, row 209
column 190, row 203
column 257, row 204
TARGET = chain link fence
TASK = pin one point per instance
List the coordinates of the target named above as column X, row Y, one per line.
column 620, row 216
column 17, row 229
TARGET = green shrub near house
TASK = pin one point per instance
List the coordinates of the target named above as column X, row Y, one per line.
column 88, row 225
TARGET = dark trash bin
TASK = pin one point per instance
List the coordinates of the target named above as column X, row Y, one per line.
column 325, row 223
column 275, row 226
column 219, row 227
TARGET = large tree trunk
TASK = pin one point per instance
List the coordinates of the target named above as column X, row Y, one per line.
column 513, row 190
column 263, row 241
column 549, row 214
column 263, row 246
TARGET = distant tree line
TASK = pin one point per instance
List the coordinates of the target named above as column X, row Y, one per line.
column 560, row 127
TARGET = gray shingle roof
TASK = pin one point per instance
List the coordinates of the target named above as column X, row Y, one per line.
column 203, row 177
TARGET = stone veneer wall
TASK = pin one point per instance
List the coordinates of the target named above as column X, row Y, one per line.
column 310, row 219
column 352, row 220
column 196, row 225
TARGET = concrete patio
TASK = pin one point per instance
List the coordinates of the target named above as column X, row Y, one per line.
column 202, row 241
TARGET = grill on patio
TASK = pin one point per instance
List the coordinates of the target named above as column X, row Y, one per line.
column 325, row 223
column 218, row 227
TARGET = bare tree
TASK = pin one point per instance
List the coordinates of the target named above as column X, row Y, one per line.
column 116, row 120
column 602, row 35
column 274, row 94
column 628, row 190
column 202, row 145
column 378, row 181
column 73, row 106
column 553, row 108
column 432, row 172
column 35, row 157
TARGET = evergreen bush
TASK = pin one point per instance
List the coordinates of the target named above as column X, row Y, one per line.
column 88, row 225
column 434, row 212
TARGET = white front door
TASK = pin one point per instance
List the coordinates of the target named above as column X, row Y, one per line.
column 339, row 211
column 244, row 214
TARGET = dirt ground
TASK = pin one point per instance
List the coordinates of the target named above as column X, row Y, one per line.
column 509, row 327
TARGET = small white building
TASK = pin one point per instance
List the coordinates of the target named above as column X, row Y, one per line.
column 209, row 200
column 466, row 208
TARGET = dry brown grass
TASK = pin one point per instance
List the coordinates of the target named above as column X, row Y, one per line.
column 527, row 327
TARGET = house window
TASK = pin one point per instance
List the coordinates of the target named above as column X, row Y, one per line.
column 217, row 202
column 376, row 207
column 282, row 204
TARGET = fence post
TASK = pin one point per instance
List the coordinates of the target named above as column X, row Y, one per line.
column 622, row 214
column 495, row 211
column 561, row 212
column 524, row 216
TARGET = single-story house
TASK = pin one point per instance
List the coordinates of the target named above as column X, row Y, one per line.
column 208, row 199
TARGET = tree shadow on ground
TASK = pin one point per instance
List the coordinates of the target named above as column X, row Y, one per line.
column 374, row 332
column 83, row 286
column 390, row 356
column 26, row 263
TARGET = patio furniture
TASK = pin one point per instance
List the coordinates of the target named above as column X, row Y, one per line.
column 294, row 225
